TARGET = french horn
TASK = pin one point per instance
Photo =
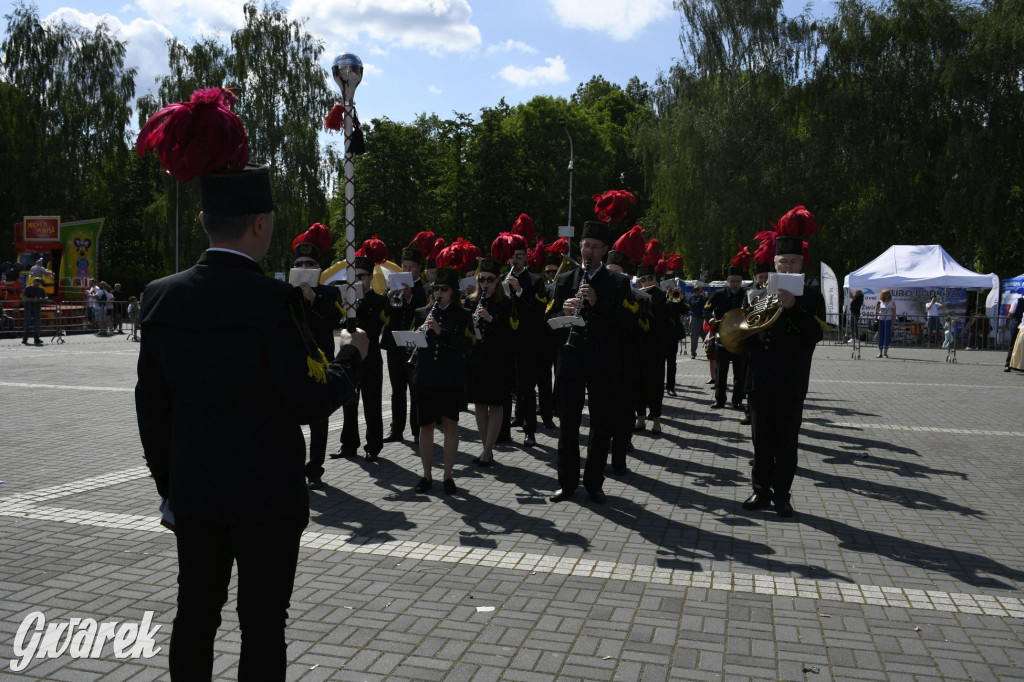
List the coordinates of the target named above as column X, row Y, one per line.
column 738, row 325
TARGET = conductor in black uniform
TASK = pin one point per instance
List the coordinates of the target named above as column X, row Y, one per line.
column 227, row 372
column 729, row 298
column 780, row 367
column 373, row 313
column 589, row 367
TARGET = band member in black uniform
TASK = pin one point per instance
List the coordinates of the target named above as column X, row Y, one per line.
column 528, row 303
column 675, row 329
column 324, row 313
column 490, row 376
column 222, row 391
column 438, row 375
column 762, row 267
column 398, row 358
column 545, row 364
column 373, row 313
column 654, row 328
column 780, row 366
column 732, row 296
column 588, row 366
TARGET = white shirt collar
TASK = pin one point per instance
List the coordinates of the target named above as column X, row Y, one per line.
column 237, row 253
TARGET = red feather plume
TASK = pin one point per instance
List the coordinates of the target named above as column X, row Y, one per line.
column 335, row 117
column 675, row 262
column 449, row 257
column 560, row 246
column 318, row 234
column 765, row 252
column 652, row 252
column 798, row 222
column 536, row 259
column 374, row 249
column 424, row 241
column 505, row 245
column 197, row 137
column 631, row 243
column 661, row 267
column 525, row 226
column 742, row 259
column 613, row 204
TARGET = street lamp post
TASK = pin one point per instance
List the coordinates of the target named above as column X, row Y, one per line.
column 561, row 122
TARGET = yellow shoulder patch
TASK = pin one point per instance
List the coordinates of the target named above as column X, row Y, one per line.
column 822, row 324
column 631, row 306
column 341, row 308
column 644, row 324
column 540, row 297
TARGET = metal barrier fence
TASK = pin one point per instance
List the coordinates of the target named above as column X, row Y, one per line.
column 68, row 317
column 979, row 332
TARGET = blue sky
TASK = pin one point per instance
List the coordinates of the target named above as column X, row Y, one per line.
column 433, row 56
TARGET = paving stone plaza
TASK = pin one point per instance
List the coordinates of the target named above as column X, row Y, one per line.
column 905, row 560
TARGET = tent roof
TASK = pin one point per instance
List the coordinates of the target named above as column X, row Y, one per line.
column 917, row 266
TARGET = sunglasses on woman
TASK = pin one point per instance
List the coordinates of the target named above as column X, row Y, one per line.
column 442, row 288
column 486, row 280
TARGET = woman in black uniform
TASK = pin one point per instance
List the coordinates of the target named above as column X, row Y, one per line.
column 490, row 380
column 438, row 374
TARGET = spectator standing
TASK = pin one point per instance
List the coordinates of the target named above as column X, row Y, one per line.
column 934, row 309
column 856, row 303
column 885, row 311
column 102, row 296
column 120, row 301
column 7, row 322
column 32, row 299
column 39, row 270
column 90, row 304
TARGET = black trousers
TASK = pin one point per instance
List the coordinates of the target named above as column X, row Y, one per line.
column 545, row 370
column 775, row 422
column 601, row 397
column 670, row 369
column 398, row 374
column 371, row 388
column 525, row 361
column 266, row 553
column 623, row 414
column 650, row 389
column 739, row 366
column 317, row 449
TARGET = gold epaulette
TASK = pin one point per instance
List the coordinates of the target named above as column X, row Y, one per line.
column 470, row 335
column 385, row 316
column 551, row 304
column 822, row 324
column 318, row 368
column 644, row 324
column 542, row 299
column 631, row 306
column 513, row 322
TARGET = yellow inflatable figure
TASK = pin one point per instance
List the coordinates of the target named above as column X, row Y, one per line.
column 379, row 282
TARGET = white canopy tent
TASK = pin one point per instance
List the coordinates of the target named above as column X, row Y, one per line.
column 917, row 266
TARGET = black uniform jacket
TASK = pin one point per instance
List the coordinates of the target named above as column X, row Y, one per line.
column 324, row 316
column 442, row 364
column 372, row 316
column 492, row 353
column 528, row 308
column 224, row 381
column 722, row 302
column 780, row 358
column 600, row 348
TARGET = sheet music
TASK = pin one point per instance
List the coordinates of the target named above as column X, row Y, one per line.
column 410, row 339
column 792, row 282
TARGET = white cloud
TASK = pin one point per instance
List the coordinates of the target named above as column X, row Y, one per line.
column 203, row 17
column 434, row 25
column 510, row 45
column 146, row 50
column 620, row 20
column 553, row 72
column 434, row 90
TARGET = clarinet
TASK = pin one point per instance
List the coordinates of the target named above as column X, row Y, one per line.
column 478, row 322
column 572, row 342
column 430, row 315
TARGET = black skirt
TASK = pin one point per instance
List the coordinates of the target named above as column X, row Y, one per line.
column 434, row 403
column 491, row 387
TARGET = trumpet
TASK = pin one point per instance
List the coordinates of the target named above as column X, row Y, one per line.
column 396, row 298
column 738, row 325
column 675, row 295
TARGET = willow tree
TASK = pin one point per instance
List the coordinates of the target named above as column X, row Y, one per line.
column 723, row 152
column 283, row 97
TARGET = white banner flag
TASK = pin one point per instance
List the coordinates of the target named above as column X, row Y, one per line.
column 830, row 290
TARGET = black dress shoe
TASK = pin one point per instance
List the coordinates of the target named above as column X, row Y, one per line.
column 517, row 422
column 342, row 453
column 483, row 462
column 315, row 483
column 424, row 485
column 530, row 441
column 783, row 508
column 449, row 486
column 737, row 406
column 503, row 438
column 756, row 501
column 597, row 496
column 562, row 495
column 550, row 424
column 745, row 421
column 372, row 456
column 718, row 406
column 1006, row 369
column 621, row 471
column 709, row 382
column 393, row 437
column 672, row 392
